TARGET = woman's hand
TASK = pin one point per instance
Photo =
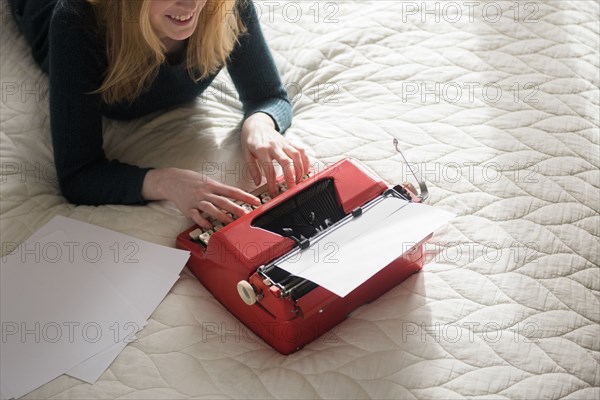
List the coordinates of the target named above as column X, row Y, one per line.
column 194, row 193
column 262, row 145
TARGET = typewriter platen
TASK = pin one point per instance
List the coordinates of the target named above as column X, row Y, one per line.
column 237, row 262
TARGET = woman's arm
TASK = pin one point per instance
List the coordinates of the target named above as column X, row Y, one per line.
column 76, row 69
column 255, row 74
column 267, row 109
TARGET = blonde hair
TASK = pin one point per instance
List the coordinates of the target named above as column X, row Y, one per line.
column 135, row 53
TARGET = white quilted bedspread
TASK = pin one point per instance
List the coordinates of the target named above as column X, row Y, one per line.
column 496, row 103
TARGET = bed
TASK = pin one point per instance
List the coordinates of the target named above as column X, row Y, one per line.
column 496, row 103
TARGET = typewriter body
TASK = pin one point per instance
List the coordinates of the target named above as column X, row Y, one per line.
column 237, row 262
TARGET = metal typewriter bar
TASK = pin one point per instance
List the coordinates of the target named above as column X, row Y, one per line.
column 422, row 186
column 295, row 287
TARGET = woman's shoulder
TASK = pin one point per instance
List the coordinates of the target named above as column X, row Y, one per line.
column 81, row 9
column 75, row 40
column 75, row 22
column 74, row 15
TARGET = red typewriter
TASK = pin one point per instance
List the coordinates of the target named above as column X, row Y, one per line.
column 238, row 262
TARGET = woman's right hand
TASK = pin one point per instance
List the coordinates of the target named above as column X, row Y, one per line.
column 194, row 194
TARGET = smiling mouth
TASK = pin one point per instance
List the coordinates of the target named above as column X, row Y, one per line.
column 181, row 18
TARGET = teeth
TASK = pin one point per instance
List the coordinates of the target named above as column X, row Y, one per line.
column 181, row 18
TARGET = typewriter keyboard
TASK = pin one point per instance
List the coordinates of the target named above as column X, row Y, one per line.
column 203, row 236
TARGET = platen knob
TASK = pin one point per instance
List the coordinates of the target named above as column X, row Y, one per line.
column 246, row 292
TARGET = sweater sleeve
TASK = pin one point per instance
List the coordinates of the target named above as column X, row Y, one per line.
column 85, row 175
column 255, row 75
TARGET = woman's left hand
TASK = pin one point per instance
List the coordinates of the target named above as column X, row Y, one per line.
column 262, row 145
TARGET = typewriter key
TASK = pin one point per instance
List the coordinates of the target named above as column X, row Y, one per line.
column 205, row 237
column 195, row 234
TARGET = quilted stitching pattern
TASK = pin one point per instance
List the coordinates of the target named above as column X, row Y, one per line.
column 508, row 305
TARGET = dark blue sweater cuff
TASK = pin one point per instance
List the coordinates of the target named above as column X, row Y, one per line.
column 278, row 109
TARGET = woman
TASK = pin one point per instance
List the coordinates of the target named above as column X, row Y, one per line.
column 127, row 58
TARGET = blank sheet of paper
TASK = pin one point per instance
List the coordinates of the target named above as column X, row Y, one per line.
column 351, row 254
column 143, row 272
column 55, row 314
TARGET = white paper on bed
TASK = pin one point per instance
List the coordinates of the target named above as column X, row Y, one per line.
column 351, row 254
column 55, row 313
column 5, row 394
column 143, row 272
column 92, row 368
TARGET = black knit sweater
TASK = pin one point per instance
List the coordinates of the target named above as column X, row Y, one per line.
column 67, row 47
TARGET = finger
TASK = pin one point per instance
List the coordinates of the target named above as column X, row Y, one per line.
column 305, row 160
column 214, row 212
column 201, row 222
column 294, row 154
column 288, row 168
column 227, row 205
column 236, row 194
column 269, row 169
column 253, row 168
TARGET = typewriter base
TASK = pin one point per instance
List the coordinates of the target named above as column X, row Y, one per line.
column 288, row 336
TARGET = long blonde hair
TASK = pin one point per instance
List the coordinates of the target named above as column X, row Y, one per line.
column 135, row 53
